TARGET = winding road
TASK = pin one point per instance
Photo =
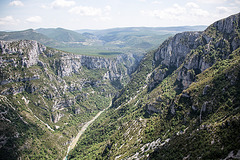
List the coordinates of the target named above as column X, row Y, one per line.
column 83, row 129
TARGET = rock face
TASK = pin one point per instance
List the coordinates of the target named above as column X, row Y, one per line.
column 173, row 51
column 25, row 53
column 189, row 53
column 72, row 64
column 32, row 48
column 28, row 66
column 174, row 108
column 56, row 117
column 197, row 51
column 68, row 64
column 54, row 89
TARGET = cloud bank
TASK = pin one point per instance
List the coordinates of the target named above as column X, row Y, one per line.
column 16, row 3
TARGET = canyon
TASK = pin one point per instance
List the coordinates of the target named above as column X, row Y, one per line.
column 178, row 101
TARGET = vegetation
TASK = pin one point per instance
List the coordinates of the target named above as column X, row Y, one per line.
column 28, row 35
column 42, row 111
column 92, row 51
column 62, row 35
column 168, row 121
column 189, row 112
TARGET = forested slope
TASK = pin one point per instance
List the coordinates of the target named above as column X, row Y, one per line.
column 181, row 103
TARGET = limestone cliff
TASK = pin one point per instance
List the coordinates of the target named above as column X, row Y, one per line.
column 197, row 51
column 25, row 53
column 28, row 51
column 174, row 50
column 181, row 103
column 172, row 53
column 51, row 89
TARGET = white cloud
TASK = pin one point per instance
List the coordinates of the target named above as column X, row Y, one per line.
column 177, row 9
column 103, row 19
column 192, row 5
column 156, row 2
column 34, row 19
column 62, row 3
column 98, row 14
column 86, row 11
column 223, row 10
column 45, row 6
column 194, row 10
column 176, row 12
column 197, row 12
column 212, row 1
column 8, row 20
column 16, row 3
column 91, row 11
column 108, row 8
column 237, row 2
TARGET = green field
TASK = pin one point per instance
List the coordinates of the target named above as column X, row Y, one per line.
column 92, row 51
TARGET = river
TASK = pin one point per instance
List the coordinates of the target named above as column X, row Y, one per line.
column 83, row 129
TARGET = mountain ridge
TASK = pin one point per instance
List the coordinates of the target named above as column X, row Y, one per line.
column 171, row 28
column 28, row 34
column 135, row 40
column 180, row 101
column 172, row 104
column 48, row 94
column 61, row 34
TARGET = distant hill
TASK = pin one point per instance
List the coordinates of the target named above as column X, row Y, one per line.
column 182, row 102
column 129, row 40
column 135, row 39
column 48, row 79
column 62, row 35
column 176, row 29
column 29, row 34
column 139, row 35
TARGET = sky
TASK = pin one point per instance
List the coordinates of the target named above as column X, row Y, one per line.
column 102, row 14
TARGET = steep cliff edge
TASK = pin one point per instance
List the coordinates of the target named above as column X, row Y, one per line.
column 181, row 103
column 185, row 55
column 54, row 91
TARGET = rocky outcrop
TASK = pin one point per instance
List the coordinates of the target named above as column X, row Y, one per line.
column 25, row 79
column 56, row 117
column 151, row 108
column 60, row 89
column 117, row 68
column 176, row 108
column 171, row 55
column 28, row 66
column 173, row 51
column 198, row 51
column 28, row 51
column 25, row 53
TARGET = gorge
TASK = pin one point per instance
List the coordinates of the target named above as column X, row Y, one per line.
column 179, row 101
column 55, row 88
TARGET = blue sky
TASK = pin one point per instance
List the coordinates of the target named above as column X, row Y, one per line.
column 101, row 14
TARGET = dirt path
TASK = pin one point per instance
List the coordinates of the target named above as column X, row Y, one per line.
column 75, row 140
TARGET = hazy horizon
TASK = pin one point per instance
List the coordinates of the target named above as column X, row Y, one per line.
column 105, row 14
column 86, row 29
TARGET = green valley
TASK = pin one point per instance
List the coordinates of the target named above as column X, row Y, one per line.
column 173, row 93
column 182, row 102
